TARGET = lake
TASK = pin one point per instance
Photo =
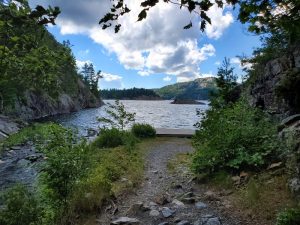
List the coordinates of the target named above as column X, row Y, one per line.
column 160, row 114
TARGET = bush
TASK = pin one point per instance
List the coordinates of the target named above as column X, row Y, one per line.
column 111, row 138
column 21, row 207
column 289, row 217
column 143, row 130
column 235, row 137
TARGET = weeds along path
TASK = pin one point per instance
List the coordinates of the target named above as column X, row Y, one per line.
column 166, row 195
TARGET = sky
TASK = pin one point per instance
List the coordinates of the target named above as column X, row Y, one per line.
column 154, row 52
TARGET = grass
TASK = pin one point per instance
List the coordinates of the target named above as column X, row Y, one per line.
column 259, row 200
column 37, row 132
column 180, row 159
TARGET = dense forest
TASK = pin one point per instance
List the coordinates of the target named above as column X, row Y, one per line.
column 33, row 65
column 132, row 93
column 199, row 89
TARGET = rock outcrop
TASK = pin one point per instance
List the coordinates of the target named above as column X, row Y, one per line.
column 263, row 90
column 38, row 105
column 290, row 134
column 7, row 127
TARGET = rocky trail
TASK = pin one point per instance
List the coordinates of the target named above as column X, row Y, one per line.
column 167, row 196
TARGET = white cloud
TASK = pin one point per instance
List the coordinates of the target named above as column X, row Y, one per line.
column 155, row 45
column 80, row 63
column 235, row 60
column 217, row 63
column 110, row 77
column 167, row 78
column 210, row 74
column 220, row 21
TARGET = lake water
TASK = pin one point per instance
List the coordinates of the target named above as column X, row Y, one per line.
column 160, row 114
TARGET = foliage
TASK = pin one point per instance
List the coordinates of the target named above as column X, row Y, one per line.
column 117, row 116
column 103, row 180
column 38, row 133
column 234, row 137
column 289, row 217
column 132, row 93
column 228, row 91
column 31, row 60
column 199, row 89
column 143, row 130
column 111, row 138
column 262, row 16
column 91, row 78
column 21, row 207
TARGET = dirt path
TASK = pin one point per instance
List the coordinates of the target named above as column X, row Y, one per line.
column 167, row 195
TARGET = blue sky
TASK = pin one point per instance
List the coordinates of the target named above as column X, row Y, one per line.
column 155, row 52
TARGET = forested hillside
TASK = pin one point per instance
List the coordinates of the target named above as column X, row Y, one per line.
column 199, row 89
column 38, row 75
column 132, row 93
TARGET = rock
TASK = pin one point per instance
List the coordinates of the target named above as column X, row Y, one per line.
column 178, row 203
column 15, row 147
column 125, row 221
column 164, row 223
column 275, row 166
column 200, row 205
column 236, row 180
column 162, row 199
column 154, row 213
column 7, row 127
column 294, row 185
column 183, row 222
column 213, row 221
column 188, row 195
column 152, row 204
column 167, row 212
column 155, row 171
column 91, row 132
column 289, row 120
column 210, row 196
column 188, row 200
column 135, row 208
column 33, row 158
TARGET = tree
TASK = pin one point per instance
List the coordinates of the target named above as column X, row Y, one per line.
column 228, row 88
column 91, row 78
column 117, row 116
column 262, row 15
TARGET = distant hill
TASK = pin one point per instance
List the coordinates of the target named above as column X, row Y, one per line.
column 132, row 93
column 198, row 89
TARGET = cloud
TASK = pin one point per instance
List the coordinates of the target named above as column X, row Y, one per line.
column 217, row 63
column 167, row 78
column 111, row 77
column 155, row 45
column 80, row 63
column 220, row 21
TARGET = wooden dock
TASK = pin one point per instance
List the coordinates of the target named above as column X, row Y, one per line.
column 165, row 132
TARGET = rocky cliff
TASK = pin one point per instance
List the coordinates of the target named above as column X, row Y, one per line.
column 35, row 105
column 275, row 89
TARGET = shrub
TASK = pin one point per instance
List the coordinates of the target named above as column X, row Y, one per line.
column 21, row 207
column 143, row 130
column 235, row 137
column 111, row 138
column 289, row 217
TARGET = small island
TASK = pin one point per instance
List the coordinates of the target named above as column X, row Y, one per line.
column 187, row 102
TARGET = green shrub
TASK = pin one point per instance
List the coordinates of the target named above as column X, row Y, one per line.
column 21, row 207
column 111, row 138
column 37, row 132
column 235, row 137
column 143, row 130
column 289, row 217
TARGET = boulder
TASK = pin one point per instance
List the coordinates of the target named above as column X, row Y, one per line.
column 125, row 221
